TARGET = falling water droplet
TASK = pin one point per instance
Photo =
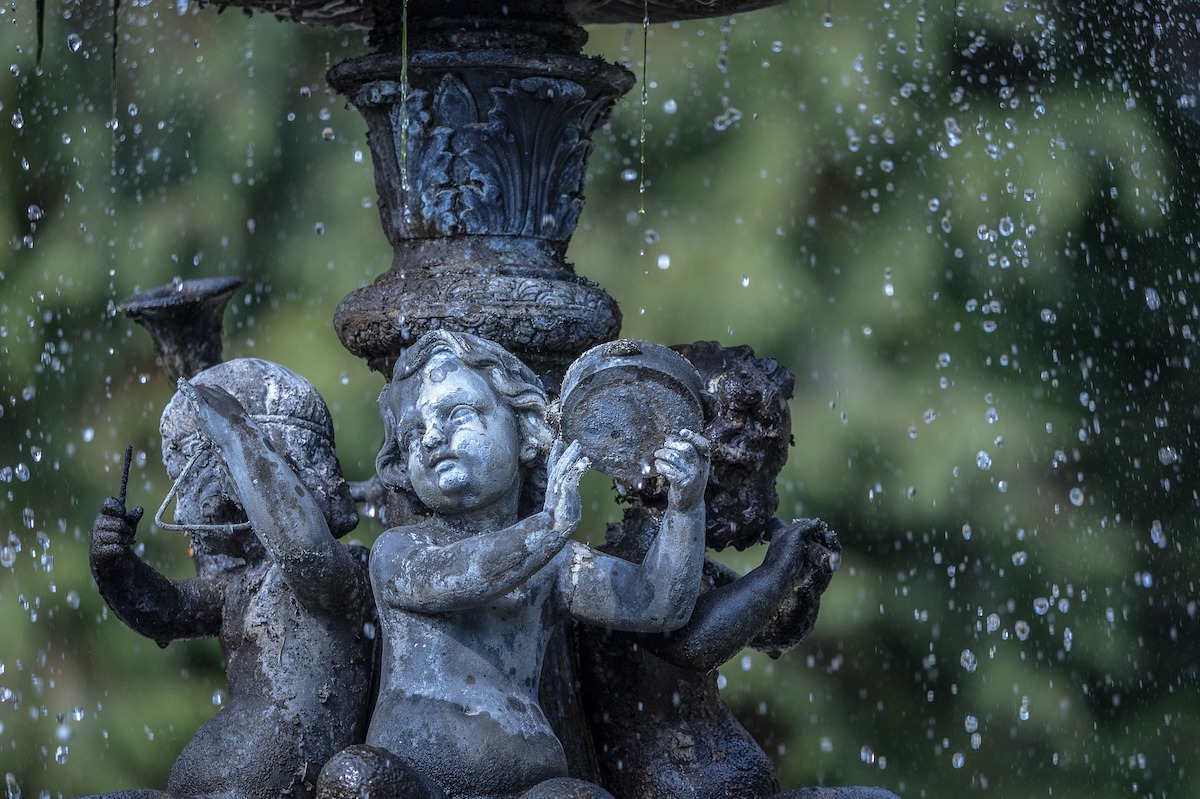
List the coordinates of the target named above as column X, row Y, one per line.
column 983, row 460
column 74, row 42
column 968, row 660
column 1076, row 496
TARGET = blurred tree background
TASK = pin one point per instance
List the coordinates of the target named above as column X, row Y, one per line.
column 968, row 228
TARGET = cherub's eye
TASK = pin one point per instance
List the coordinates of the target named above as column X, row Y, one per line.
column 463, row 414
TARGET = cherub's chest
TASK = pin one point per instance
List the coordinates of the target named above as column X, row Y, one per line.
column 532, row 598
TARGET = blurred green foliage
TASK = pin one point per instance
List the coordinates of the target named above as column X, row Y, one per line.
column 968, row 230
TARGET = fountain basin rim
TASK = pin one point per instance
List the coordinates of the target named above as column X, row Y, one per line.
column 363, row 16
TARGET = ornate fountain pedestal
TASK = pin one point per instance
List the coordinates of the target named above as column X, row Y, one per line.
column 480, row 138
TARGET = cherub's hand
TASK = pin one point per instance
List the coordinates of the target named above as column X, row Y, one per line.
column 563, row 472
column 805, row 551
column 683, row 461
column 217, row 412
column 113, row 532
column 823, row 554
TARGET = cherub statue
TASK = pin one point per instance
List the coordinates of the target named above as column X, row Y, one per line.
column 660, row 729
column 249, row 445
column 469, row 597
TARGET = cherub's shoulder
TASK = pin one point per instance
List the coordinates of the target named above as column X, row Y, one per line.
column 405, row 537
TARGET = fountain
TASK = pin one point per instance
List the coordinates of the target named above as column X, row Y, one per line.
column 480, row 132
column 941, row 212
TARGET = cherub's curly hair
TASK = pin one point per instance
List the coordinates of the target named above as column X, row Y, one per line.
column 514, row 383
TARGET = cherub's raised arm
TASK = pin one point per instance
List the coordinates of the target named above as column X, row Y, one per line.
column 659, row 593
column 149, row 603
column 417, row 573
column 741, row 611
column 285, row 515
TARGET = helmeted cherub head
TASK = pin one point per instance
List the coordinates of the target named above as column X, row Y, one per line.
column 296, row 422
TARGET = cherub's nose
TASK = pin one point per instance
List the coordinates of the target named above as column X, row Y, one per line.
column 433, row 437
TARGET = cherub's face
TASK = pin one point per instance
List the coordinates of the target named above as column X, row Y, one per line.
column 459, row 440
column 203, row 489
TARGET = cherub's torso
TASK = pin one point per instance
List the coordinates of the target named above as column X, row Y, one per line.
column 459, row 688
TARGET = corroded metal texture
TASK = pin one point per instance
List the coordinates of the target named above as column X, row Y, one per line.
column 621, row 400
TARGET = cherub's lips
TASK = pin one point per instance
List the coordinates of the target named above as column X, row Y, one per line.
column 437, row 459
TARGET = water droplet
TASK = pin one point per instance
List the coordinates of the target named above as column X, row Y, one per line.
column 18, row 120
column 930, row 415
column 1021, row 628
column 60, row 755
column 327, row 134
column 77, row 713
column 1049, row 316
column 73, row 599
column 1167, row 456
column 664, row 261
column 958, row 760
column 993, row 624
column 1041, row 605
column 1076, row 496
column 8, row 557
column 1157, row 534
column 933, row 204
column 1153, row 301
column 943, row 360
column 966, row 532
column 983, row 460
column 827, row 19
column 74, row 42
column 629, row 175
column 954, row 134
column 971, row 724
column 11, row 789
column 745, row 280
column 218, row 697
column 968, row 660
column 670, row 107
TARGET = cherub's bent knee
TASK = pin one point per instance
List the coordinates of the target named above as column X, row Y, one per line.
column 364, row 771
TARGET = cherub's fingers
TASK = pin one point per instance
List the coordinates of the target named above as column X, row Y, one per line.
column 696, row 440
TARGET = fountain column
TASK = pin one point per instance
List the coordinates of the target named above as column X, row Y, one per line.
column 480, row 136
